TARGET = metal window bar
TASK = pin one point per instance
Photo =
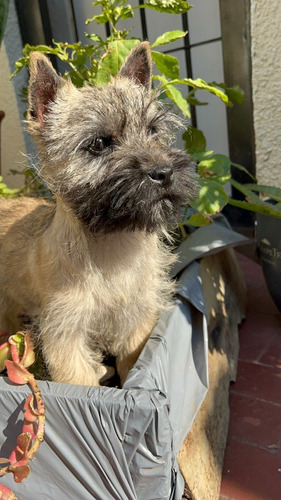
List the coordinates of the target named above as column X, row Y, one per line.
column 71, row 7
column 187, row 48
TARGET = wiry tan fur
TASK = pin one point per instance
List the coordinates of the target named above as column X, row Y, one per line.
column 83, row 292
column 88, row 293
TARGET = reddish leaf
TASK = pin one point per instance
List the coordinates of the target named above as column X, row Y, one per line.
column 14, row 353
column 23, row 442
column 6, row 493
column 30, row 428
column 30, row 413
column 23, row 445
column 28, row 357
column 20, row 472
column 15, row 456
column 16, row 373
column 17, row 346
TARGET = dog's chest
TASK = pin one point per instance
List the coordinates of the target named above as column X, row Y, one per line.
column 122, row 286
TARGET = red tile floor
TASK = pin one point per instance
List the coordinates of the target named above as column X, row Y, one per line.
column 252, row 464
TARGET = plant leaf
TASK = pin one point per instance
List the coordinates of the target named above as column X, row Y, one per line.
column 235, row 93
column 218, row 165
column 168, row 37
column 243, row 169
column 94, row 37
column 200, row 84
column 194, row 139
column 17, row 343
column 212, row 197
column 174, row 94
column 263, row 208
column 270, row 191
column 16, row 373
column 114, row 58
column 6, row 493
column 168, row 6
column 246, row 192
column 166, row 64
column 23, row 442
column 254, row 203
column 30, row 413
column 199, row 220
column 126, row 12
column 222, row 179
column 28, row 356
column 202, row 155
column 21, row 472
column 99, row 18
column 193, row 101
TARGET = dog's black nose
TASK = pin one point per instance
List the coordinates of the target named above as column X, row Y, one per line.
column 161, row 175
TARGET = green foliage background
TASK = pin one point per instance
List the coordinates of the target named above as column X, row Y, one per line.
column 95, row 63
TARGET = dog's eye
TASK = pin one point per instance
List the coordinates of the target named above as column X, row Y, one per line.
column 99, row 144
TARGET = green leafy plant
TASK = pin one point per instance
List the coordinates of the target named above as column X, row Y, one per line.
column 215, row 173
column 16, row 355
column 98, row 62
column 7, row 192
column 95, row 63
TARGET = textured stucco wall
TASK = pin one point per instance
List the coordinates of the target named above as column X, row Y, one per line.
column 12, row 142
column 266, row 78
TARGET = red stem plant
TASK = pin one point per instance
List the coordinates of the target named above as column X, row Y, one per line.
column 16, row 354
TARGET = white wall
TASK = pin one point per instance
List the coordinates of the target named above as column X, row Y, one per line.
column 12, row 142
column 266, row 81
column 15, row 140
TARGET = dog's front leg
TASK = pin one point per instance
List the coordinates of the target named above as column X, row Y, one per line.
column 69, row 361
column 129, row 351
column 65, row 345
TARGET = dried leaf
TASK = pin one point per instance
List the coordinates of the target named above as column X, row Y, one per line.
column 23, row 442
column 20, row 473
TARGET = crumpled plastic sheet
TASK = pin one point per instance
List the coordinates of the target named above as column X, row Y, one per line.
column 105, row 443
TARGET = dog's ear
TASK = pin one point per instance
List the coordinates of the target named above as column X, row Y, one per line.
column 138, row 65
column 43, row 86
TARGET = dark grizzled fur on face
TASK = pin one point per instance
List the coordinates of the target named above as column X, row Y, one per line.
column 131, row 199
column 144, row 183
column 136, row 180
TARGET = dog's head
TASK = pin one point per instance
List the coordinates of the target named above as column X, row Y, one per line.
column 106, row 151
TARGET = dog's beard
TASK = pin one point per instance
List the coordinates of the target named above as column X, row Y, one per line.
column 128, row 199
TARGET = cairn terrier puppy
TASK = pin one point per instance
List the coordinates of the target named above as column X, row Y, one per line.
column 91, row 269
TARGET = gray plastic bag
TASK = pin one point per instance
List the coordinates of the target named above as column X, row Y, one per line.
column 105, row 443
